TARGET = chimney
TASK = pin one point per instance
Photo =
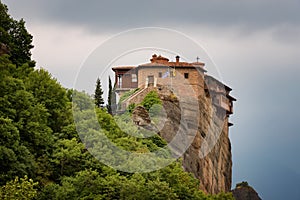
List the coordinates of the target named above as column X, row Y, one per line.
column 154, row 58
column 177, row 59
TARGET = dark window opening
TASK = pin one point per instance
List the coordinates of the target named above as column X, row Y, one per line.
column 159, row 74
column 120, row 77
column 186, row 75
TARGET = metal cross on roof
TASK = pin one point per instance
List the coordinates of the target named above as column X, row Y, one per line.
column 198, row 59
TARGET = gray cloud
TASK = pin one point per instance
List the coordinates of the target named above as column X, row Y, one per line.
column 103, row 15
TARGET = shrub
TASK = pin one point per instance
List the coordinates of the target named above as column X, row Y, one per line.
column 242, row 184
column 151, row 99
column 131, row 107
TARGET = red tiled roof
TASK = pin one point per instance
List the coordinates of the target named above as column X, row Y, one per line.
column 159, row 61
column 123, row 67
column 198, row 65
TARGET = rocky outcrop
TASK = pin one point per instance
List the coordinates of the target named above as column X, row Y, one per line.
column 245, row 192
column 198, row 130
column 140, row 116
column 208, row 157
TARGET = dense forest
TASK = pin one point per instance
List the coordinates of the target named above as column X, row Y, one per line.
column 42, row 156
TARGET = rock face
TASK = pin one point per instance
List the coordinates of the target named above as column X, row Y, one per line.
column 200, row 132
column 140, row 116
column 208, row 157
column 245, row 192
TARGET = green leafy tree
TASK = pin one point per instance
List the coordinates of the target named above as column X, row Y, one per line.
column 19, row 189
column 19, row 124
column 48, row 92
column 99, row 102
column 5, row 23
column 82, row 101
column 21, row 43
column 14, row 35
column 15, row 158
column 67, row 154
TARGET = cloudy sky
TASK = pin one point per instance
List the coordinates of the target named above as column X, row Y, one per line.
column 254, row 44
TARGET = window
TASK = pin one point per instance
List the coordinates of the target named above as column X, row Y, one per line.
column 120, row 77
column 150, row 79
column 134, row 78
column 159, row 74
column 186, row 75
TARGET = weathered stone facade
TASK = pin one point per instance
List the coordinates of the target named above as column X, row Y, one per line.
column 160, row 72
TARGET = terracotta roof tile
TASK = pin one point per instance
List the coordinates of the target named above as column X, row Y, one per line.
column 123, row 67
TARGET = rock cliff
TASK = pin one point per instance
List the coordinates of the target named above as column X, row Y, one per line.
column 245, row 192
column 208, row 154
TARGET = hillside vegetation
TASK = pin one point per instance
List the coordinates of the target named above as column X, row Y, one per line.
column 41, row 154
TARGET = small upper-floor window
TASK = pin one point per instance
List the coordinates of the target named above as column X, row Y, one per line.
column 159, row 74
column 133, row 78
column 120, row 80
column 186, row 75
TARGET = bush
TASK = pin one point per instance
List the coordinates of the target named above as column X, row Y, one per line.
column 131, row 107
column 242, row 184
column 151, row 99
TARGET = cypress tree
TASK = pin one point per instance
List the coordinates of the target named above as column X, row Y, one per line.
column 109, row 100
column 99, row 102
column 114, row 100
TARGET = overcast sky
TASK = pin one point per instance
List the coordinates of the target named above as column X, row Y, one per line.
column 254, row 44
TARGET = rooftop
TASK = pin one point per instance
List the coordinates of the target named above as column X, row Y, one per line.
column 123, row 67
column 218, row 82
column 160, row 61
